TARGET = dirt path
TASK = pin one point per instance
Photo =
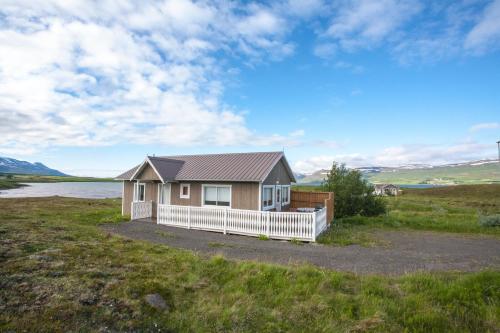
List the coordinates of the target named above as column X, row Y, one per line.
column 405, row 252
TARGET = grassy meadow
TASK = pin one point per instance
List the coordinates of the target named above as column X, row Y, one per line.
column 454, row 209
column 487, row 173
column 60, row 272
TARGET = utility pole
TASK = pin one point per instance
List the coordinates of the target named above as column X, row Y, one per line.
column 498, row 144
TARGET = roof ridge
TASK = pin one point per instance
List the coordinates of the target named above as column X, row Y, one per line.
column 165, row 158
column 215, row 154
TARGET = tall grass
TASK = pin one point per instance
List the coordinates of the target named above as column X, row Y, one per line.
column 455, row 209
column 60, row 272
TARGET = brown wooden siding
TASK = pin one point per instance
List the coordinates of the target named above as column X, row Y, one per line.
column 147, row 173
column 152, row 195
column 278, row 173
column 243, row 195
column 127, row 196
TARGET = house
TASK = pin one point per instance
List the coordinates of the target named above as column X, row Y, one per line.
column 242, row 193
column 386, row 189
column 251, row 181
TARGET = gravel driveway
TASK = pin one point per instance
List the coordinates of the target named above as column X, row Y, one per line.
column 407, row 251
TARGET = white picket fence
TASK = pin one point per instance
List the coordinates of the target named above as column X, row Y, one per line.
column 277, row 225
column 141, row 210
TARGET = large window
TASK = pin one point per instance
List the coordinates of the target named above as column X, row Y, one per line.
column 164, row 194
column 216, row 195
column 268, row 197
column 139, row 192
column 285, row 189
column 185, row 190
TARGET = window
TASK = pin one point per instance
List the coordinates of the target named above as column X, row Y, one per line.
column 164, row 194
column 285, row 194
column 216, row 195
column 267, row 197
column 185, row 190
column 139, row 192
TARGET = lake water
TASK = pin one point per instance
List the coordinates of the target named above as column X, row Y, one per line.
column 90, row 190
column 421, row 186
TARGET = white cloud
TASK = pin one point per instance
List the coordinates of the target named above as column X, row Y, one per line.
column 305, row 8
column 484, row 126
column 98, row 73
column 486, row 32
column 325, row 50
column 297, row 133
column 412, row 31
column 402, row 155
column 363, row 23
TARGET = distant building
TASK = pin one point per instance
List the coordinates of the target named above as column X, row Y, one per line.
column 386, row 189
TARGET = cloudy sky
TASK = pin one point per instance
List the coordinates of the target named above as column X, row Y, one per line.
column 91, row 87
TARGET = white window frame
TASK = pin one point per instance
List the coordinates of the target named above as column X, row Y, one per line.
column 288, row 192
column 217, row 185
column 273, row 193
column 182, row 196
column 136, row 191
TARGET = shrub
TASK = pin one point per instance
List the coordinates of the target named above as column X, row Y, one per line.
column 353, row 194
column 490, row 220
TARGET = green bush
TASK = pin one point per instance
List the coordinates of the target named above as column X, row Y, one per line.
column 353, row 194
column 490, row 220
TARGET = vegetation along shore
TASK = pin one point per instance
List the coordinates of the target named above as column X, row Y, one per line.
column 10, row 181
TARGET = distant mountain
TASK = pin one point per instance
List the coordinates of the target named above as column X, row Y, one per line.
column 474, row 172
column 11, row 165
column 314, row 178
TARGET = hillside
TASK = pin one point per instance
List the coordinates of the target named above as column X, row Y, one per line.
column 476, row 172
column 11, row 165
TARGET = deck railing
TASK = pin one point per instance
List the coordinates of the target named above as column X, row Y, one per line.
column 141, row 209
column 277, row 225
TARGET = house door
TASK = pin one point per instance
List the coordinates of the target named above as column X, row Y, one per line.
column 164, row 194
column 278, row 198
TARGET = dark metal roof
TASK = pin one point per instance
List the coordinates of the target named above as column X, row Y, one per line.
column 242, row 167
column 127, row 174
column 167, row 168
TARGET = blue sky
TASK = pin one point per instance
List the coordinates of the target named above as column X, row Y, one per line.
column 90, row 89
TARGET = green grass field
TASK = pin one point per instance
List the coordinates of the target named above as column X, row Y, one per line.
column 487, row 173
column 447, row 209
column 9, row 181
column 463, row 174
column 60, row 272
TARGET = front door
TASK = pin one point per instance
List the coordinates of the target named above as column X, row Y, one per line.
column 164, row 194
column 278, row 198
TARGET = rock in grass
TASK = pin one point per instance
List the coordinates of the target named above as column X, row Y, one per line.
column 156, row 301
column 88, row 299
column 40, row 257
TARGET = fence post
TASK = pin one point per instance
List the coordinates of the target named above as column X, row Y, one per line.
column 131, row 210
column 314, row 226
column 189, row 217
column 268, row 222
column 157, row 213
column 225, row 220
